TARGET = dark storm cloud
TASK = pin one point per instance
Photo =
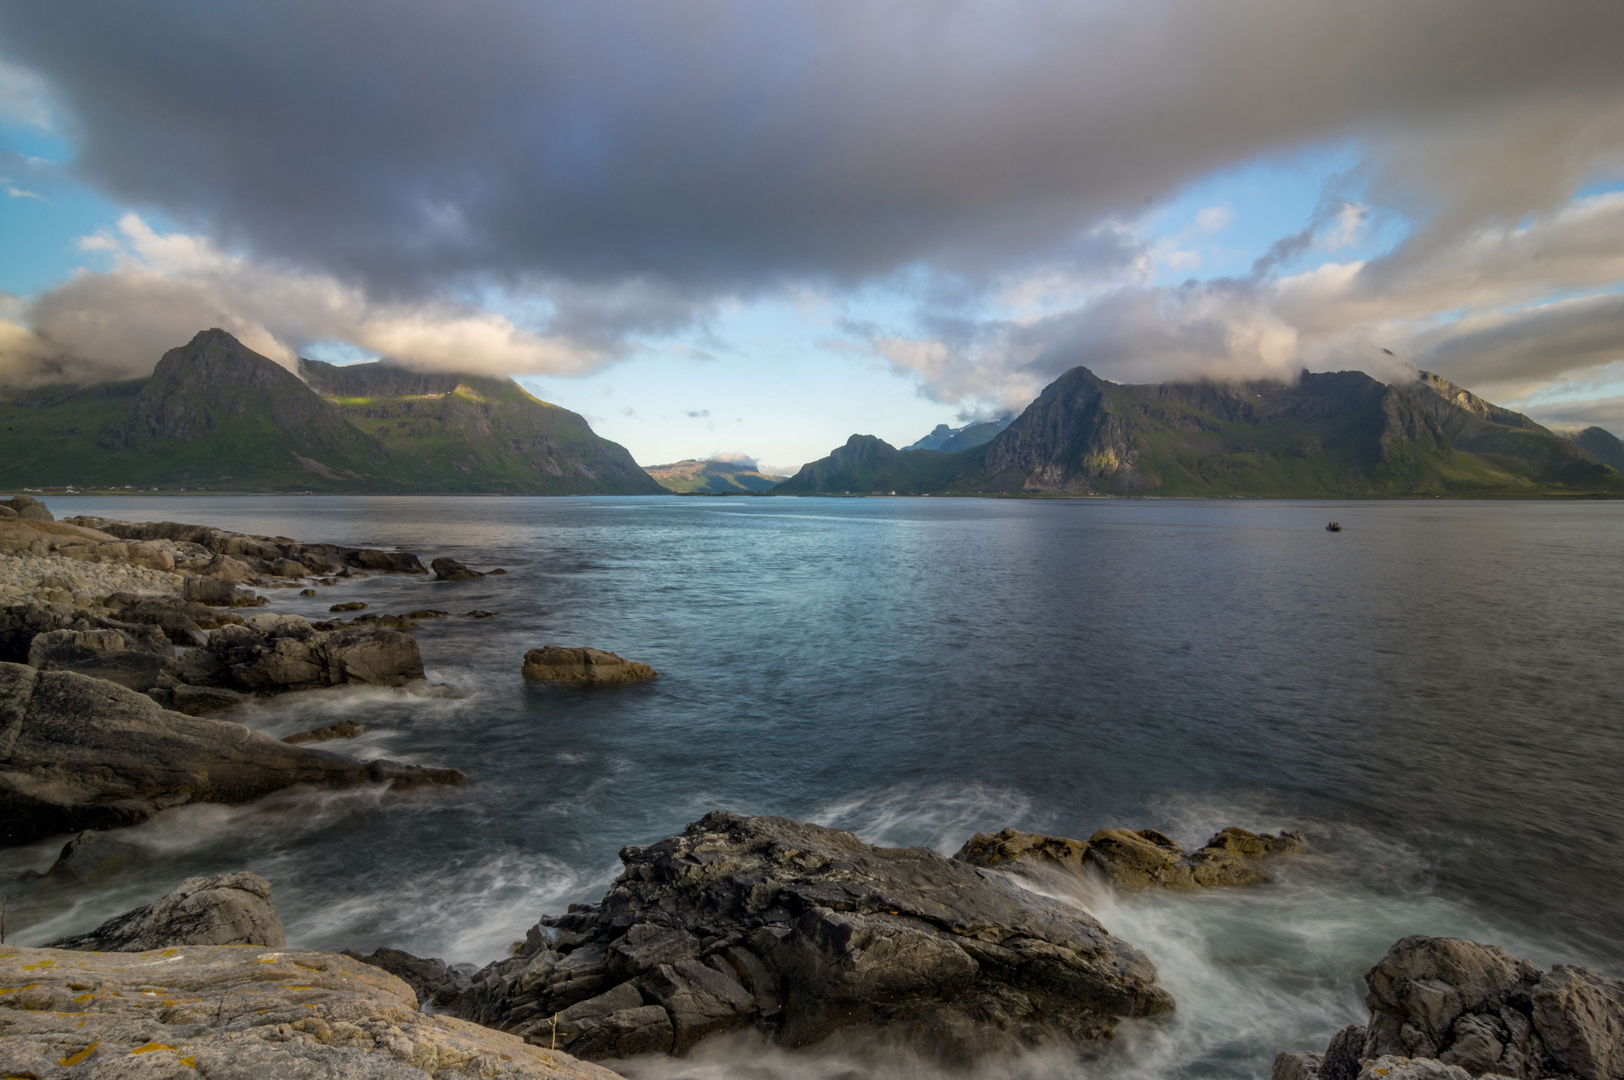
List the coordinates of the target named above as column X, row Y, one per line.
column 709, row 147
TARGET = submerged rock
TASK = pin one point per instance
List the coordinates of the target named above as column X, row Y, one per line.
column 242, row 1013
column 800, row 932
column 580, row 667
column 81, row 753
column 343, row 729
column 1137, row 859
column 227, row 909
column 452, row 570
column 91, row 858
column 1449, row 1009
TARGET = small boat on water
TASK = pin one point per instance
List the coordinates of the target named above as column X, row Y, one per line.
column 1333, row 527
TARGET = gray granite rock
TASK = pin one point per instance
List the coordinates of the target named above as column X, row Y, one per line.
column 227, row 909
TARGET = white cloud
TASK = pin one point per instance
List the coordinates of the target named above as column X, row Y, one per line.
column 164, row 287
column 23, row 97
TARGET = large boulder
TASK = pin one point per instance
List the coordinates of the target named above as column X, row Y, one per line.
column 1454, row 1009
column 82, row 753
column 134, row 657
column 452, row 570
column 271, row 653
column 582, row 667
column 217, row 591
column 242, row 1013
column 801, row 931
column 28, row 508
column 227, row 909
column 1136, row 859
column 91, row 858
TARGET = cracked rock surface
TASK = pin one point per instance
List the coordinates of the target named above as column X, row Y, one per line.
column 800, row 932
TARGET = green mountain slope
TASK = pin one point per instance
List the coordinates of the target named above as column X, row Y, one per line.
column 694, row 477
column 470, row 433
column 1333, row 434
column 215, row 415
column 1602, row 445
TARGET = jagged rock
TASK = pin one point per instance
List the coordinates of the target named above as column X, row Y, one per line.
column 1136, row 859
column 91, row 858
column 1448, row 1009
column 227, row 909
column 344, row 729
column 581, row 667
column 242, row 1013
column 1388, row 1067
column 28, row 508
column 178, row 619
column 1295, row 1065
column 81, row 753
column 452, row 570
column 217, row 592
column 270, row 653
column 431, row 980
column 801, row 931
column 127, row 657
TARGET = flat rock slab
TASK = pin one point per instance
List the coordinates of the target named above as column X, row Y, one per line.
column 582, row 667
column 241, row 1013
column 81, row 753
column 799, row 932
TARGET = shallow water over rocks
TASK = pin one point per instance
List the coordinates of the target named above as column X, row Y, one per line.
column 1432, row 695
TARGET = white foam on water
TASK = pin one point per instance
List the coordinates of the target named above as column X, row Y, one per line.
column 937, row 816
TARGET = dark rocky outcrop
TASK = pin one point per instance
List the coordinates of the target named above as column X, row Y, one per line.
column 82, row 753
column 227, row 909
column 799, row 932
column 432, row 980
column 272, row 653
column 580, row 667
column 452, row 570
column 343, row 729
column 134, row 657
column 1451, row 1009
column 1136, row 859
column 274, row 555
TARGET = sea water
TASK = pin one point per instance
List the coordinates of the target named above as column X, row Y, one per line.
column 1432, row 695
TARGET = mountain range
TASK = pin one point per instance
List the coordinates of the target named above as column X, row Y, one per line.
column 217, row 416
column 693, row 477
column 1338, row 434
column 950, row 440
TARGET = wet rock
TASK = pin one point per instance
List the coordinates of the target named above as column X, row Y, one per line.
column 452, row 570
column 344, row 729
column 431, row 980
column 227, row 909
column 353, row 605
column 128, row 657
column 427, row 613
column 582, row 667
column 242, row 1013
column 272, row 653
column 92, row 857
column 307, row 592
column 28, row 508
column 1137, row 859
column 81, row 753
column 203, row 700
column 216, row 592
column 1450, row 1009
column 799, row 932
column 478, row 614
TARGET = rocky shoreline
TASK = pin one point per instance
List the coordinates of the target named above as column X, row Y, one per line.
column 121, row 641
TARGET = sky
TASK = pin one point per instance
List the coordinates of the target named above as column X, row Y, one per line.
column 757, row 227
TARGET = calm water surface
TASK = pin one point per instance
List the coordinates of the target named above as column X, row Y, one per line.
column 1433, row 695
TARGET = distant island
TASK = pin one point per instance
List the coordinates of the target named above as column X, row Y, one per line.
column 693, row 477
column 1337, row 434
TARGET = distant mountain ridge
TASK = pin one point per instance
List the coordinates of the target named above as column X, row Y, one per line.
column 215, row 415
column 1330, row 434
column 694, row 477
column 950, row 440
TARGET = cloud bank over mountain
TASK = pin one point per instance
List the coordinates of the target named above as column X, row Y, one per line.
column 515, row 187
